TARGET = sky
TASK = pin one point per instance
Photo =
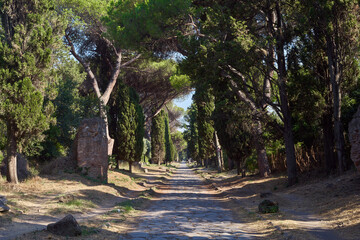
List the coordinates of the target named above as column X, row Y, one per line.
column 184, row 102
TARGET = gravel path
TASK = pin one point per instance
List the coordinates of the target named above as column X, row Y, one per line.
column 188, row 210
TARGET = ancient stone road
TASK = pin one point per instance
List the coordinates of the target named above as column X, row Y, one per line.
column 187, row 210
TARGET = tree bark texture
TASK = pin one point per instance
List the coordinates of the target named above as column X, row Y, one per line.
column 285, row 109
column 328, row 141
column 263, row 161
column 335, row 78
column 238, row 169
column 262, row 158
column 218, row 153
column 11, row 161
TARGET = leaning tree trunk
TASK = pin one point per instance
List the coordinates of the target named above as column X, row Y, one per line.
column 218, row 152
column 104, row 116
column 11, row 161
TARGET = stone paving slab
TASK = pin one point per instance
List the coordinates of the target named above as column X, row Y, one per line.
column 188, row 211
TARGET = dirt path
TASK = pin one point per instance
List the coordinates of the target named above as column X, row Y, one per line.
column 38, row 222
column 35, row 203
column 188, row 209
column 297, row 219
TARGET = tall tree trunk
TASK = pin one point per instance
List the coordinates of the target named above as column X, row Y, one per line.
column 262, row 158
column 218, row 152
column 238, row 169
column 222, row 159
column 328, row 140
column 285, row 109
column 11, row 161
column 130, row 166
column 103, row 115
column 230, row 163
column 335, row 78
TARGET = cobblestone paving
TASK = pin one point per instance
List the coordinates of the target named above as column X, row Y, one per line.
column 188, row 210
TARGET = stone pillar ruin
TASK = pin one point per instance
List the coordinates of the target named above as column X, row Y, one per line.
column 354, row 137
column 91, row 148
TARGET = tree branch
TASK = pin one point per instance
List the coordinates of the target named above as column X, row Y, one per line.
column 85, row 65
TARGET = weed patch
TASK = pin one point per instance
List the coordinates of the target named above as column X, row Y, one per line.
column 87, row 231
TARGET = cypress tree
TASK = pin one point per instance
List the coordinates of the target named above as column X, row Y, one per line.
column 169, row 145
column 129, row 126
column 27, row 37
column 205, row 105
column 139, row 131
column 191, row 133
column 158, row 138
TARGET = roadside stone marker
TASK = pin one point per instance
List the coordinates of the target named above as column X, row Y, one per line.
column 91, row 148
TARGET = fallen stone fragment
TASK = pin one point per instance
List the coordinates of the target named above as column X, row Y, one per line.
column 3, row 199
column 68, row 226
column 66, row 198
column 268, row 206
column 3, row 207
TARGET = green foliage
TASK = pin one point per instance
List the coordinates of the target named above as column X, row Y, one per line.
column 158, row 138
column 191, row 132
column 30, row 35
column 136, row 22
column 70, row 109
column 2, row 135
column 170, row 151
column 129, row 125
column 179, row 81
column 178, row 140
column 170, row 68
column 146, row 156
column 205, row 106
column 233, row 127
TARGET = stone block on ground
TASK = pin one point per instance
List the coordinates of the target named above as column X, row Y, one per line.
column 91, row 148
column 268, row 206
column 66, row 198
column 136, row 167
column 68, row 226
column 3, row 207
column 3, row 199
column 354, row 137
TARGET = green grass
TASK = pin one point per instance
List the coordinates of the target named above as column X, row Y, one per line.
column 127, row 206
column 86, row 231
column 76, row 205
